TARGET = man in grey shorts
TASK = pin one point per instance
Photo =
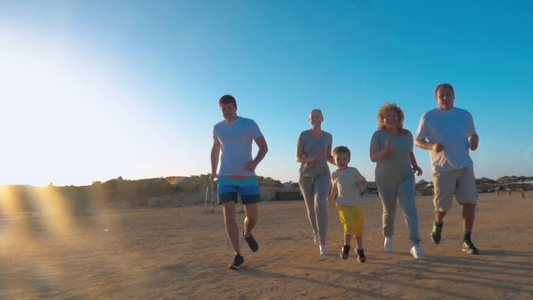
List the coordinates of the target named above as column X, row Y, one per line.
column 449, row 133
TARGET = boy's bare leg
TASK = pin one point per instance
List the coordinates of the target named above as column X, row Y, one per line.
column 347, row 239
column 359, row 241
column 232, row 230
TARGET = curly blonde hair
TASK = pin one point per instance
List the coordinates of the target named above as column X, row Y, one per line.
column 384, row 109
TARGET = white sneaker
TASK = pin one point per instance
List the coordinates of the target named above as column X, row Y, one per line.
column 323, row 249
column 387, row 244
column 416, row 251
column 316, row 239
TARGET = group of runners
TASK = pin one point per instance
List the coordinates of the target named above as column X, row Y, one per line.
column 448, row 132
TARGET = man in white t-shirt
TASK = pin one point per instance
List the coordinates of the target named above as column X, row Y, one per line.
column 233, row 138
column 449, row 133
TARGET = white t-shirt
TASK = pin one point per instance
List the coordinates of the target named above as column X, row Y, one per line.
column 236, row 145
column 452, row 129
column 344, row 181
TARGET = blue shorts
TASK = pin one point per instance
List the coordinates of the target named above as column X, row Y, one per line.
column 247, row 187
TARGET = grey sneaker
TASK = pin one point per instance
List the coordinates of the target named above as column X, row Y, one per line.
column 416, row 251
column 435, row 233
column 469, row 247
column 387, row 244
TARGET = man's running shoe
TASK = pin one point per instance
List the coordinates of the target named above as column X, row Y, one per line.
column 345, row 252
column 237, row 262
column 323, row 249
column 252, row 243
column 361, row 256
column 469, row 247
column 435, row 233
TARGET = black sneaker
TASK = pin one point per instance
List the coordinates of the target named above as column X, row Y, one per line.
column 345, row 252
column 435, row 233
column 252, row 243
column 361, row 256
column 237, row 262
column 469, row 247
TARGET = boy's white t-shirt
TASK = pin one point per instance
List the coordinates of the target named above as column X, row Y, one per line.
column 344, row 181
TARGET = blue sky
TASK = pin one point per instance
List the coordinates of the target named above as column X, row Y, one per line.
column 94, row 90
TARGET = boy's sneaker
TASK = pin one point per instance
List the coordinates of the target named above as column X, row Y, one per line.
column 387, row 244
column 469, row 247
column 435, row 233
column 252, row 243
column 323, row 249
column 237, row 262
column 345, row 252
column 416, row 251
column 361, row 256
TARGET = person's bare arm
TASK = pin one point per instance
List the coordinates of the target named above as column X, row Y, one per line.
column 416, row 168
column 300, row 156
column 263, row 149
column 361, row 184
column 215, row 154
column 377, row 154
column 474, row 141
column 330, row 158
column 424, row 144
column 332, row 194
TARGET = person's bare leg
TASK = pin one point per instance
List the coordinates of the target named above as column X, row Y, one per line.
column 359, row 241
column 347, row 239
column 439, row 216
column 469, row 214
column 252, row 214
column 232, row 230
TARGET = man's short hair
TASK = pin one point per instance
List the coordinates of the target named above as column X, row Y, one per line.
column 341, row 150
column 226, row 99
column 444, row 85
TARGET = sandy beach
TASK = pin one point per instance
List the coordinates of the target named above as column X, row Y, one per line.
column 183, row 253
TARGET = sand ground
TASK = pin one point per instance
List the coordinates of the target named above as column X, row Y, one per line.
column 183, row 253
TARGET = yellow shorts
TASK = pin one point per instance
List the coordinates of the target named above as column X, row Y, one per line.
column 352, row 219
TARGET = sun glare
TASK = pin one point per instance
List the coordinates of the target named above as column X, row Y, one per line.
column 62, row 120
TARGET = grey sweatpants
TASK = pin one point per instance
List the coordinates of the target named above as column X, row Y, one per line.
column 315, row 191
column 404, row 191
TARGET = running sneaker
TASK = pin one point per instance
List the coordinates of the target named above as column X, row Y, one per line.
column 237, row 262
column 361, row 256
column 469, row 247
column 316, row 239
column 387, row 244
column 435, row 233
column 416, row 251
column 252, row 243
column 323, row 249
column 345, row 252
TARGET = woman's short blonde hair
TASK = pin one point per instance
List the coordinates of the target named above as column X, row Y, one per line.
column 384, row 109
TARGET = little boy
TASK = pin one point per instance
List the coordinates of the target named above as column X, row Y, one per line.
column 346, row 182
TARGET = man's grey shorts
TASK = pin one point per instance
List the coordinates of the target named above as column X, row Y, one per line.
column 460, row 182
